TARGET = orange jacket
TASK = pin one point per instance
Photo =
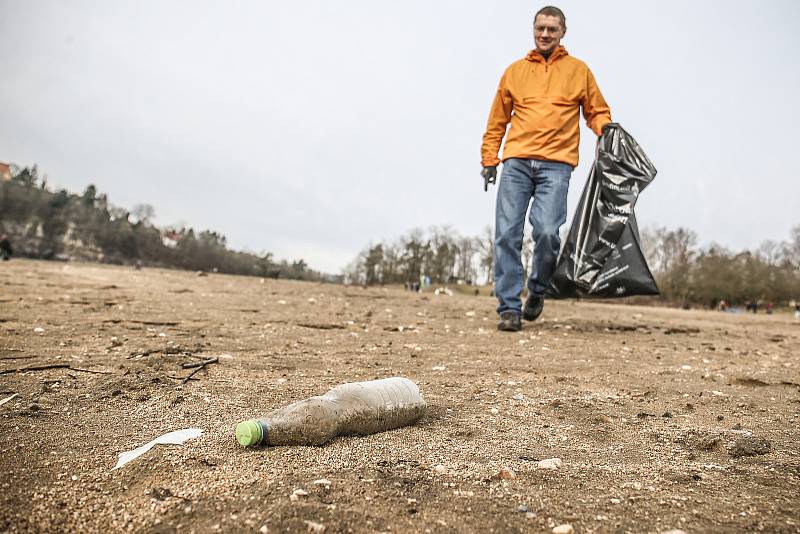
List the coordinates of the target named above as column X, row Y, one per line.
column 541, row 99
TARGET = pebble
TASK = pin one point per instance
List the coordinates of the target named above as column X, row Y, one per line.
column 506, row 473
column 519, row 397
column 615, row 501
column 566, row 528
column 296, row 494
column 530, row 515
column 323, row 482
column 495, row 411
column 39, row 330
column 440, row 469
column 522, row 508
column 749, row 446
column 550, row 463
column 313, row 526
column 674, row 531
column 264, row 529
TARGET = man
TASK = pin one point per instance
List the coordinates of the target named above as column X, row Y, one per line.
column 5, row 248
column 541, row 96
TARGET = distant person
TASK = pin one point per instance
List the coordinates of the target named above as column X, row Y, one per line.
column 770, row 307
column 723, row 306
column 541, row 96
column 5, row 248
column 797, row 311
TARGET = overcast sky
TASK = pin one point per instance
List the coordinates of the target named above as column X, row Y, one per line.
column 311, row 128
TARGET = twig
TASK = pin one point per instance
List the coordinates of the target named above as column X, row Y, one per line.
column 12, row 397
column 91, row 371
column 35, row 368
column 52, row 366
column 24, row 357
column 192, row 365
column 198, row 368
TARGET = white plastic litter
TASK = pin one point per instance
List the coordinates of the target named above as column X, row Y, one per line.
column 176, row 437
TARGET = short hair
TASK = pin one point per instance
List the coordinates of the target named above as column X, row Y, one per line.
column 552, row 11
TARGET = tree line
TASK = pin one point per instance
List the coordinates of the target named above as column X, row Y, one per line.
column 686, row 273
column 439, row 253
column 47, row 224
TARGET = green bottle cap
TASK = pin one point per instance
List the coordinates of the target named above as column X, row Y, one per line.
column 248, row 433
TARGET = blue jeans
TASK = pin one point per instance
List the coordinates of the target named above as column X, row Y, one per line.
column 547, row 183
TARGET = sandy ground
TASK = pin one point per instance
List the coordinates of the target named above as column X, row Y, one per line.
column 662, row 419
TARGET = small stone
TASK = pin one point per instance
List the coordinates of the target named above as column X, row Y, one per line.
column 495, row 411
column 39, row 330
column 522, row 508
column 602, row 418
column 323, row 482
column 440, row 469
column 506, row 473
column 264, row 529
column 315, row 527
column 563, row 529
column 550, row 463
column 615, row 501
column 115, row 342
column 674, row 531
column 437, row 367
column 519, row 397
column 749, row 446
column 529, row 515
column 296, row 494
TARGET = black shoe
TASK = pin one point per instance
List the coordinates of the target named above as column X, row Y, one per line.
column 509, row 322
column 533, row 307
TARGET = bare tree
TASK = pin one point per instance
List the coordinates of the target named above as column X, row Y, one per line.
column 485, row 245
column 143, row 213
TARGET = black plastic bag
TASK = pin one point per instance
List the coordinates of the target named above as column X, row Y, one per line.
column 602, row 256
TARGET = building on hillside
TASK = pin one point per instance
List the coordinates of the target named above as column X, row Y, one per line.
column 170, row 237
column 5, row 172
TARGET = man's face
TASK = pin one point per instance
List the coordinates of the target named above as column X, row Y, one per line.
column 547, row 33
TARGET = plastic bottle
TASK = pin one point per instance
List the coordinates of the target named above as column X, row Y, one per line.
column 358, row 408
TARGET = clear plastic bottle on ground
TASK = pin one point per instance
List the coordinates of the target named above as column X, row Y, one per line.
column 358, row 408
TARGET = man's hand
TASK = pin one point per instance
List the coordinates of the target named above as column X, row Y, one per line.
column 608, row 126
column 489, row 176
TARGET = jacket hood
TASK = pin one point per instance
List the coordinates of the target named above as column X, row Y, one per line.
column 536, row 57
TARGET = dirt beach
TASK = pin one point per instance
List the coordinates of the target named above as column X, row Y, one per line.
column 661, row 418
